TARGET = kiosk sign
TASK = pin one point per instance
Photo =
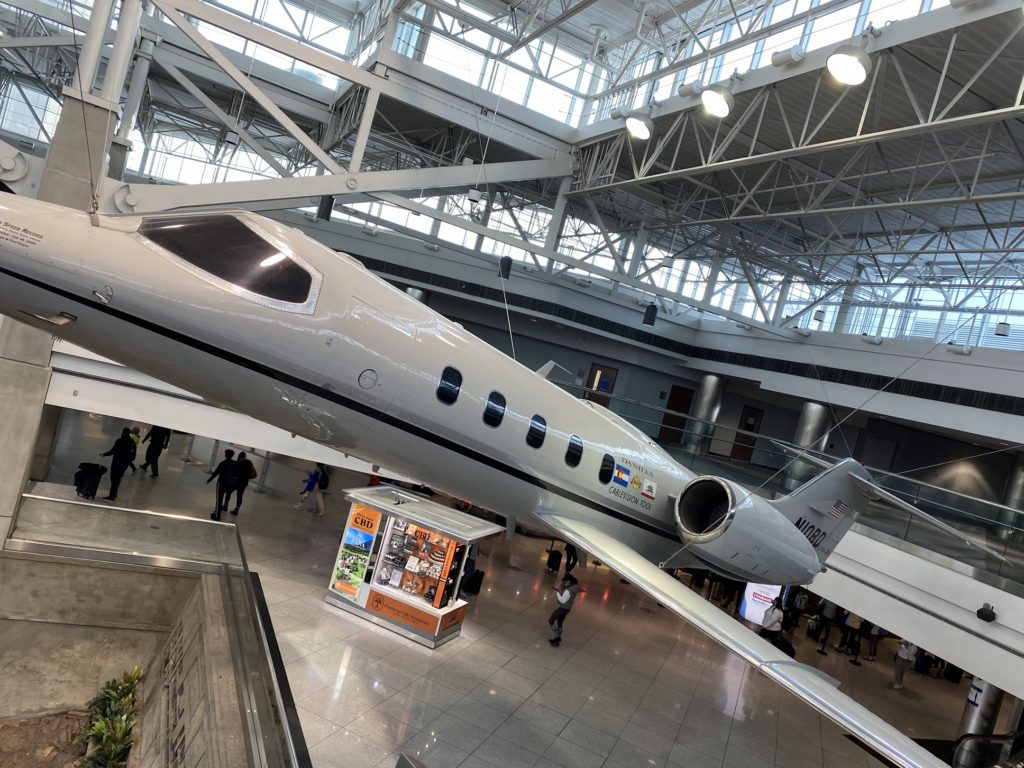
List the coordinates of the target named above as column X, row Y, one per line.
column 354, row 554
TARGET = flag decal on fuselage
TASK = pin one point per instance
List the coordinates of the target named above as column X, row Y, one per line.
column 621, row 476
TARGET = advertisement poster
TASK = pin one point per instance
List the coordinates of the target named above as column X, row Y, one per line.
column 354, row 554
column 756, row 600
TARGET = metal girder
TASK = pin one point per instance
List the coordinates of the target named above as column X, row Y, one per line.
column 614, row 276
column 694, row 172
column 42, row 41
column 225, row 118
column 170, row 11
column 139, row 198
column 547, row 26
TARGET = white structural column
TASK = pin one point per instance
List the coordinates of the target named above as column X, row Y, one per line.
column 1013, row 497
column 124, row 47
column 703, row 413
column 121, row 146
column 89, row 55
column 811, row 432
column 979, row 718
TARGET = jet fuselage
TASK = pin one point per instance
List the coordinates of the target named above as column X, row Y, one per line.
column 356, row 365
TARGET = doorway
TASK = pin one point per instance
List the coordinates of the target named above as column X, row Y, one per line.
column 743, row 444
column 601, row 383
column 673, row 423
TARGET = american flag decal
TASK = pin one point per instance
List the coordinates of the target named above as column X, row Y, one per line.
column 838, row 509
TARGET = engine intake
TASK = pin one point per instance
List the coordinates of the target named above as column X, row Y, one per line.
column 704, row 509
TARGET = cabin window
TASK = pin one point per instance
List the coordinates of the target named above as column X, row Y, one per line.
column 607, row 468
column 574, row 452
column 450, row 385
column 538, row 429
column 225, row 247
column 495, row 410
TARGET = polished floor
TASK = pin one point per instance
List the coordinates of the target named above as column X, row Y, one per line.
column 631, row 685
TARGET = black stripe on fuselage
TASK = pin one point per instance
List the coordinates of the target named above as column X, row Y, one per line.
column 353, row 405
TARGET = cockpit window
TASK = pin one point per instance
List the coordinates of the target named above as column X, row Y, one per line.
column 224, row 246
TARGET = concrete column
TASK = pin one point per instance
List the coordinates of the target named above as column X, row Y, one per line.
column 77, row 161
column 1013, row 497
column 24, row 376
column 49, row 426
column 980, row 713
column 703, row 413
column 811, row 432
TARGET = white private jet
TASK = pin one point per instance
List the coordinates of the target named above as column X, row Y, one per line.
column 254, row 315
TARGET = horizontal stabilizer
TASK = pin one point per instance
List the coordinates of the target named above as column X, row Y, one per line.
column 878, row 492
column 545, row 370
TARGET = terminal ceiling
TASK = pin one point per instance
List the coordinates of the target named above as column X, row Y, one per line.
column 901, row 193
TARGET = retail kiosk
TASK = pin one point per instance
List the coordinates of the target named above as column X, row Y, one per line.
column 401, row 561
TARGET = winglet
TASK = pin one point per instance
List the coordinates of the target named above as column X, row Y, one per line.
column 877, row 492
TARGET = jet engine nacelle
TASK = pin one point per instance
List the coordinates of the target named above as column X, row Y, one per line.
column 742, row 535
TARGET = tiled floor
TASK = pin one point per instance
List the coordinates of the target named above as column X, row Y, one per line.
column 631, row 685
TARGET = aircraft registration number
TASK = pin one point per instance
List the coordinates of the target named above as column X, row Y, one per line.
column 811, row 532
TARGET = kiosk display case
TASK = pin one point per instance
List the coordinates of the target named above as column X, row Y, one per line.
column 401, row 561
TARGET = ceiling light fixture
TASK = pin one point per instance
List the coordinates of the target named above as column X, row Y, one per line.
column 1003, row 329
column 717, row 100
column 849, row 64
column 639, row 125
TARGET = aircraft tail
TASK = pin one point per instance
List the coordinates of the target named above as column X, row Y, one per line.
column 824, row 508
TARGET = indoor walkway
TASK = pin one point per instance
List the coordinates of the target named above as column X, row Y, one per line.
column 631, row 685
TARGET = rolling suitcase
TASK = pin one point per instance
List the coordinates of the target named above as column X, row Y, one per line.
column 814, row 629
column 471, row 584
column 554, row 560
column 87, row 479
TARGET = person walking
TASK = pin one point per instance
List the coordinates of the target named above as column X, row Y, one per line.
column 134, row 435
column 245, row 471
column 827, row 617
column 873, row 637
column 121, row 453
column 905, row 654
column 771, row 622
column 312, row 488
column 158, row 439
column 565, row 594
column 572, row 557
column 226, row 474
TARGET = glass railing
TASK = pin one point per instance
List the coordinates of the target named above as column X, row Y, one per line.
column 90, row 531
column 761, row 464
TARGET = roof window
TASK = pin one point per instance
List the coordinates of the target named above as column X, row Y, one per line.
column 225, row 247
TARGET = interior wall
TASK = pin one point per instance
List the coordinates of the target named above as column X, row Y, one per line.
column 938, row 460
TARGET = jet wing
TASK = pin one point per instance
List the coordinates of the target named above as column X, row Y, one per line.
column 803, row 681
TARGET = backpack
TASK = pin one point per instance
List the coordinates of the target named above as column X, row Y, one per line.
column 324, row 481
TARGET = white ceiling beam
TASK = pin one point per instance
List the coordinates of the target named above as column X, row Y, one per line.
column 139, row 198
